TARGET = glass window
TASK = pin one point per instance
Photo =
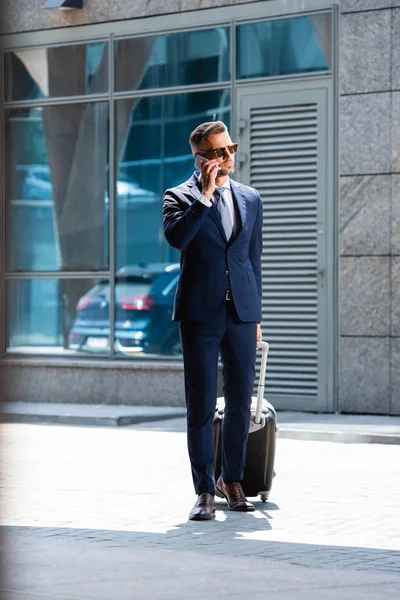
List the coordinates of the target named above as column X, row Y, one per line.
column 172, row 59
column 153, row 154
column 71, row 70
column 58, row 316
column 284, row 47
column 144, row 298
column 57, row 162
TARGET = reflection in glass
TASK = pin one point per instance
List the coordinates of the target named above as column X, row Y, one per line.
column 154, row 154
column 70, row 70
column 152, row 146
column 57, row 163
column 284, row 46
column 48, row 316
column 144, row 298
column 172, row 59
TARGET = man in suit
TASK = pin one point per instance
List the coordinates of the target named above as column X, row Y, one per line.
column 216, row 223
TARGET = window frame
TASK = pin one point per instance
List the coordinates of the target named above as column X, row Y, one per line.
column 110, row 32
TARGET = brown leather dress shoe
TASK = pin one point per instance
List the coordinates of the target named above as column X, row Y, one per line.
column 204, row 509
column 234, row 494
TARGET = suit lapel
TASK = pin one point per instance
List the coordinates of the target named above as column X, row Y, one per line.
column 194, row 187
column 241, row 204
column 217, row 220
column 196, row 191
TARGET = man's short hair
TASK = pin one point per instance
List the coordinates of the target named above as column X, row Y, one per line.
column 204, row 131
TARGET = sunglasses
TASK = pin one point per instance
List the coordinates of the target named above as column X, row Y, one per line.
column 219, row 152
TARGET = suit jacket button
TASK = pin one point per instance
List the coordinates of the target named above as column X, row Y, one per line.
column 226, row 272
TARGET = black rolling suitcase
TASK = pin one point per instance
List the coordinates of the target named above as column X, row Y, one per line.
column 260, row 458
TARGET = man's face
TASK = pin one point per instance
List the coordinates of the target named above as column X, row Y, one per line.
column 219, row 140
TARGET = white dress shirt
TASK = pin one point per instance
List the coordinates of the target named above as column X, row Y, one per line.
column 227, row 197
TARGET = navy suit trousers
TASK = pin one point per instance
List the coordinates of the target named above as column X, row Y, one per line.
column 202, row 342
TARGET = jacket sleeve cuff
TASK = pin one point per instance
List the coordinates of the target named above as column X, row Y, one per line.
column 204, row 201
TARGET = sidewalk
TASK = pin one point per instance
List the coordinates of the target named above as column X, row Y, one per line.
column 101, row 513
column 293, row 425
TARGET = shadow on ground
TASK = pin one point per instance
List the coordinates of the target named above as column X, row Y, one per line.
column 188, row 561
column 231, row 537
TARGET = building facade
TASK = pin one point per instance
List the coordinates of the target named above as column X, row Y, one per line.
column 98, row 104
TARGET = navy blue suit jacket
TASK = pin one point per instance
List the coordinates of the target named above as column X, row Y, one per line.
column 196, row 230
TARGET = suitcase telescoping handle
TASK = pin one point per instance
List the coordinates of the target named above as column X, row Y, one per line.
column 261, row 384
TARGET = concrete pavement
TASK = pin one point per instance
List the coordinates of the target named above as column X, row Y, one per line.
column 101, row 513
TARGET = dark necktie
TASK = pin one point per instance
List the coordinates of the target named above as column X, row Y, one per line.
column 223, row 211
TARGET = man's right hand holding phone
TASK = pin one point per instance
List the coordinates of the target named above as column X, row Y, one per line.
column 209, row 171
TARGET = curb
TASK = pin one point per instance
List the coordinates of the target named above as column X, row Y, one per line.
column 337, row 436
column 284, row 431
column 83, row 420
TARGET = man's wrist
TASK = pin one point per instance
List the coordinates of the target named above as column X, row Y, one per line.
column 208, row 194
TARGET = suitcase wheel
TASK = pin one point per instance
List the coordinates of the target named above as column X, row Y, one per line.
column 264, row 496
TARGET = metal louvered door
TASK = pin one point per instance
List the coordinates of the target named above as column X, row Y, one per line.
column 284, row 144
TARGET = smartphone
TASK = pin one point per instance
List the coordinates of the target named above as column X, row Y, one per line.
column 198, row 161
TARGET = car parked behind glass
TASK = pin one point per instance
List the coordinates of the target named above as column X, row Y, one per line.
column 144, row 297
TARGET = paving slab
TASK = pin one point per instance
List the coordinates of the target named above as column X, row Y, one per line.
column 99, row 513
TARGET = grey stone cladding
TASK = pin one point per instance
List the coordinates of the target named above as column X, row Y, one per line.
column 369, row 371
